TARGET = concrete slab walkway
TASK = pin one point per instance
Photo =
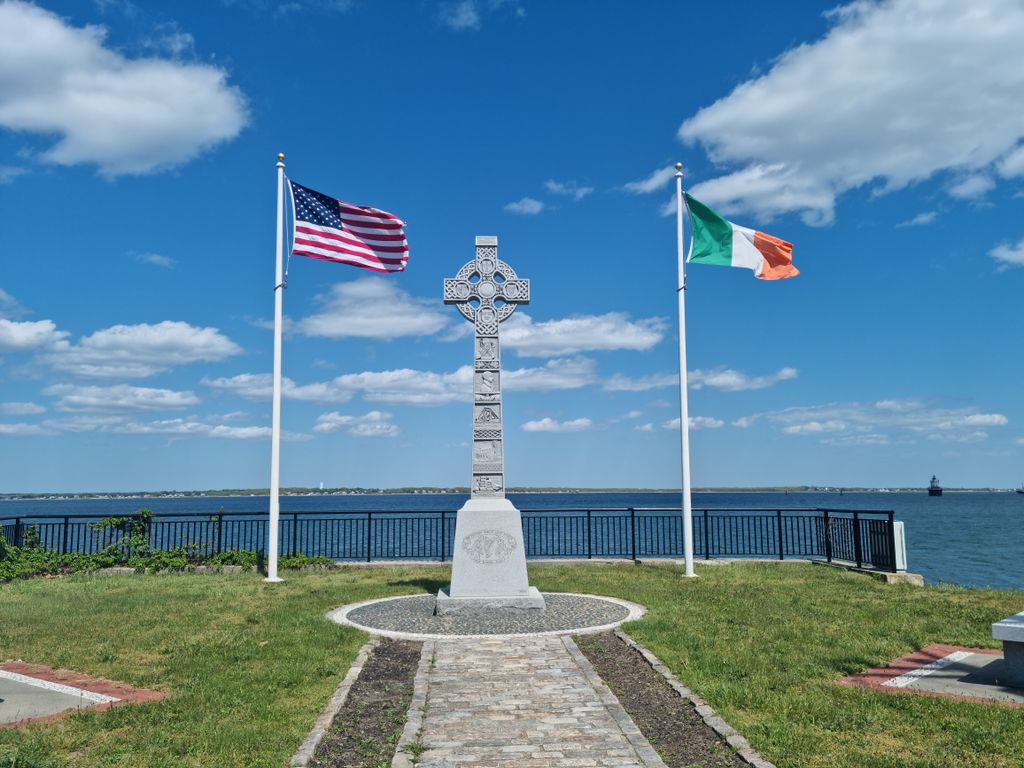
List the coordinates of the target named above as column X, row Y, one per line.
column 533, row 702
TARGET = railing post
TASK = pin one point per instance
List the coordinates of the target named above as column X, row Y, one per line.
column 369, row 534
column 828, row 537
column 632, row 527
column 295, row 533
column 857, row 551
column 220, row 532
column 18, row 533
column 707, row 536
column 64, row 538
column 440, row 537
column 778, row 525
column 590, row 537
column 892, row 542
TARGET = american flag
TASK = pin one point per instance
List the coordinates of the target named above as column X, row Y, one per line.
column 333, row 230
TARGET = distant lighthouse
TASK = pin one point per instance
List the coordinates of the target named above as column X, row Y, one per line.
column 321, row 485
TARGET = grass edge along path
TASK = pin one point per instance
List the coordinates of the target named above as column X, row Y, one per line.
column 250, row 665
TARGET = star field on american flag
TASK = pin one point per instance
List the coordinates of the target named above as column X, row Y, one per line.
column 333, row 230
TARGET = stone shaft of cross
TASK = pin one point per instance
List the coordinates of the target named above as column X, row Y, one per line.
column 486, row 291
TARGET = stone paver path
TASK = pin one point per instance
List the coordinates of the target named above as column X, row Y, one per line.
column 531, row 702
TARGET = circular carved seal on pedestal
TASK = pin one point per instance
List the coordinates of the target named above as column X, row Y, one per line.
column 488, row 547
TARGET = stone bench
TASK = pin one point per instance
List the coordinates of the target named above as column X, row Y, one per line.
column 1011, row 632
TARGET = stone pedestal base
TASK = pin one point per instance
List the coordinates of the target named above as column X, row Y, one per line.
column 445, row 604
column 488, row 562
column 1013, row 667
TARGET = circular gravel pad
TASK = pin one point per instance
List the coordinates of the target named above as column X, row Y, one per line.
column 413, row 617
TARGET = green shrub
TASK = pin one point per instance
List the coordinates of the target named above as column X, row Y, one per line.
column 131, row 549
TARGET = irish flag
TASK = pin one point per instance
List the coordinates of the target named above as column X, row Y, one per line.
column 717, row 241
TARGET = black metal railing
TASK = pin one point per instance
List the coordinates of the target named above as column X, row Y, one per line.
column 861, row 537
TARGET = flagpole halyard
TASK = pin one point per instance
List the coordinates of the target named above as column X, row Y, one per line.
column 275, row 436
column 684, row 416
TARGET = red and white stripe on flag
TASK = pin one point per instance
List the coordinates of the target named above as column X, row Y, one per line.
column 333, row 230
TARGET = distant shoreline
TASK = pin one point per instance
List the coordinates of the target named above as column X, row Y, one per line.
column 246, row 492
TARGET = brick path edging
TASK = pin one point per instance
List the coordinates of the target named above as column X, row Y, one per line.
column 710, row 717
column 302, row 758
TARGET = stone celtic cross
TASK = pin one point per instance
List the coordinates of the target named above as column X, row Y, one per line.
column 486, row 291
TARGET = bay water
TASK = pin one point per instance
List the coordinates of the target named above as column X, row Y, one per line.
column 972, row 539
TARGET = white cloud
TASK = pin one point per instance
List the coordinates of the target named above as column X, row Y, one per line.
column 372, row 308
column 179, row 427
column 1019, row 441
column 972, row 187
column 568, row 373
column 1012, row 166
column 567, row 188
column 961, row 437
column 735, row 381
column 407, row 386
column 547, row 424
column 84, row 423
column 830, row 116
column 459, row 15
column 9, row 306
column 634, row 414
column 900, row 406
column 921, row 220
column 372, row 424
column 9, row 173
column 877, row 422
column 869, row 439
column 652, row 183
column 20, row 409
column 193, row 428
column 469, row 14
column 719, row 378
column 705, row 422
column 127, row 116
column 138, row 351
column 621, row 383
column 1009, row 255
column 155, row 259
column 695, row 422
column 259, row 386
column 22, row 430
column 816, row 427
column 120, row 397
column 19, row 336
column 526, row 206
column 648, row 427
column 580, row 333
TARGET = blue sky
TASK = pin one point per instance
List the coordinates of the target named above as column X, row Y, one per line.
column 137, row 194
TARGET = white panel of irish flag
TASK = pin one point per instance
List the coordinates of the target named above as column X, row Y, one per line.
column 715, row 240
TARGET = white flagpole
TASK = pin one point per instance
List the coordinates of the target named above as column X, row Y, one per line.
column 275, row 439
column 684, row 416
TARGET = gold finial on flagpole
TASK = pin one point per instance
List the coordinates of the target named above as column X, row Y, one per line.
column 280, row 157
column 679, row 168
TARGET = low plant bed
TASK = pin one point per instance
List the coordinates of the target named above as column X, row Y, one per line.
column 669, row 722
column 366, row 729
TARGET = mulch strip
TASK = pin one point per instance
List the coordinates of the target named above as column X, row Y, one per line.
column 669, row 722
column 367, row 727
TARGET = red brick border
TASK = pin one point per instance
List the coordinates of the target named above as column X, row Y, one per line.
column 874, row 678
column 125, row 693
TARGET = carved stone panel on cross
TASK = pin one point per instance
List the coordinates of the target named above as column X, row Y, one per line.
column 486, row 291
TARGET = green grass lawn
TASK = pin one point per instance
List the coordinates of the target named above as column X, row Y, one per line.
column 250, row 665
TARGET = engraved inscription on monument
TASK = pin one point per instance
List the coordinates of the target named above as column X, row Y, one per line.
column 488, row 546
column 486, row 291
